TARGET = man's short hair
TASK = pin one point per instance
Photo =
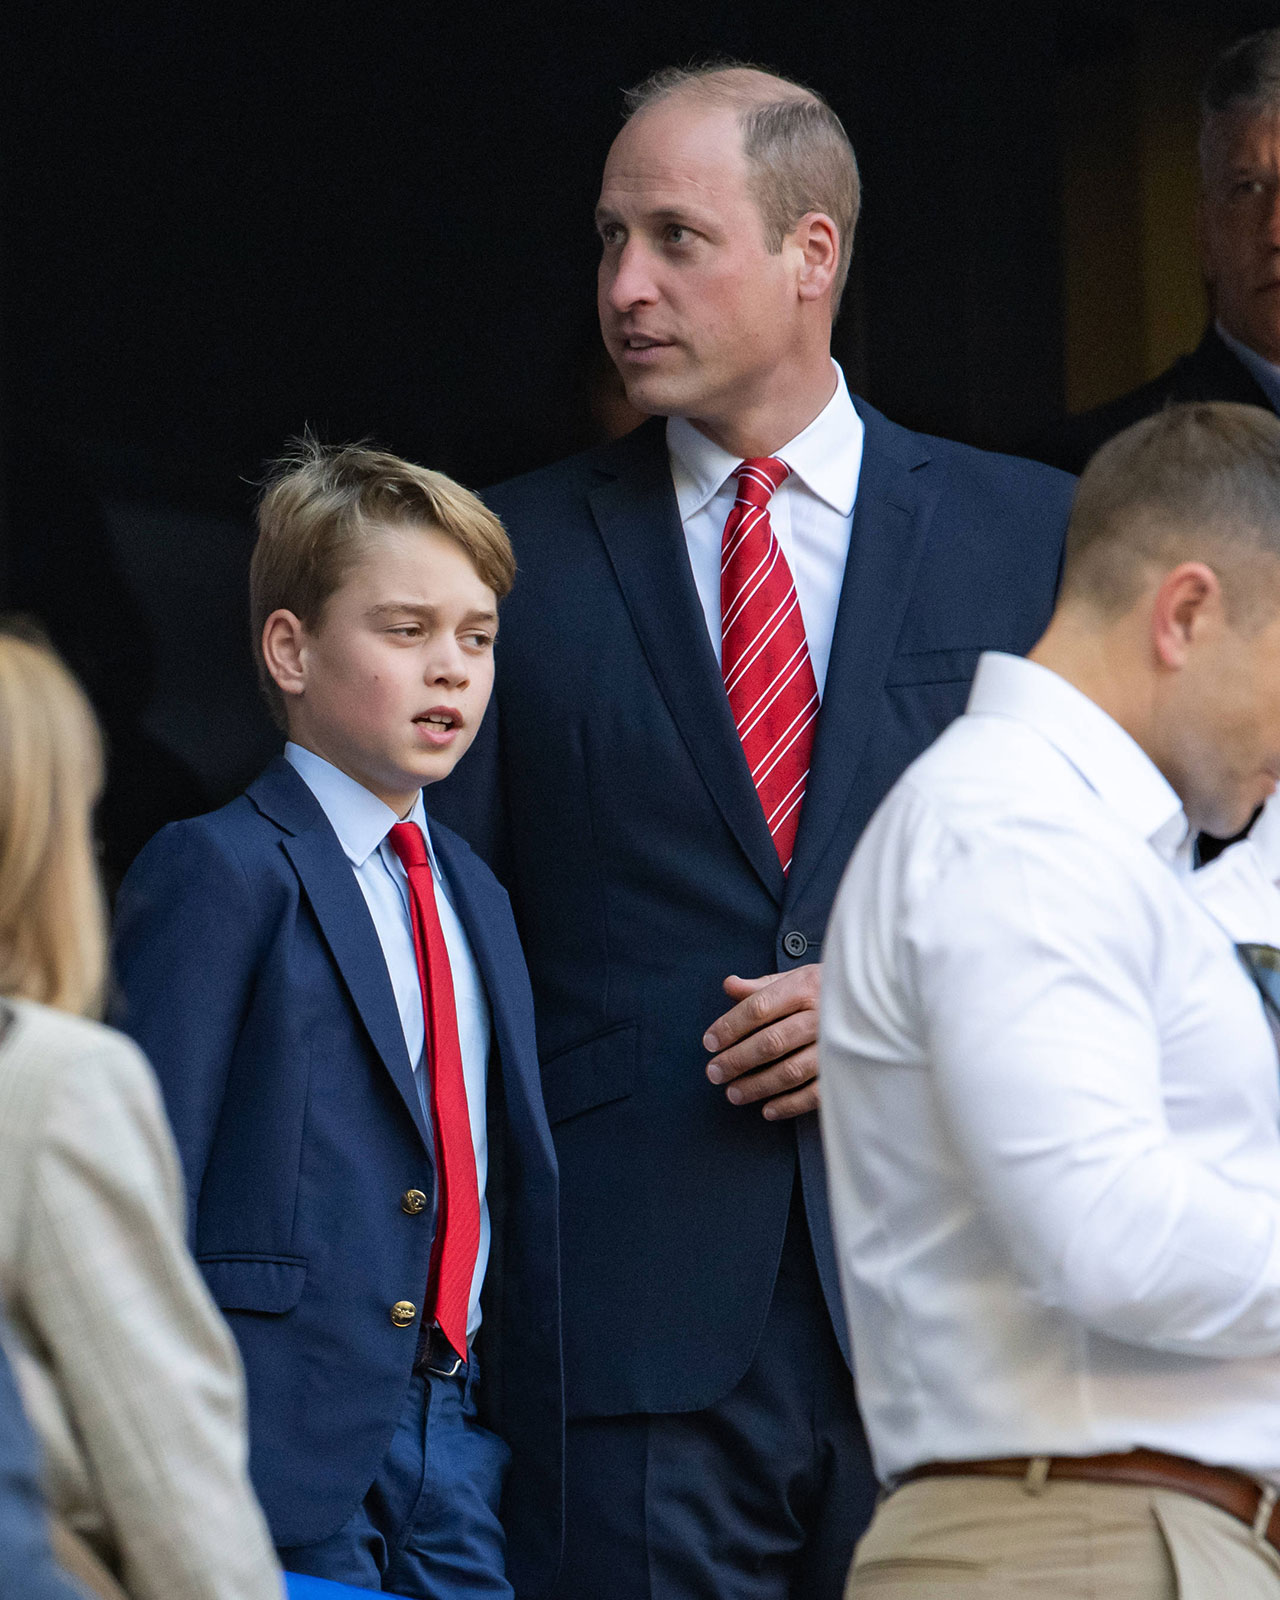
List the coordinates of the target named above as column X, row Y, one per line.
column 1245, row 77
column 797, row 151
column 1196, row 482
column 320, row 506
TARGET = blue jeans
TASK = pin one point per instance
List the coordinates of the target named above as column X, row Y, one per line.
column 428, row 1527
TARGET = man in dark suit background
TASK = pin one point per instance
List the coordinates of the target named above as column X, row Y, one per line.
column 672, row 929
column 1238, row 231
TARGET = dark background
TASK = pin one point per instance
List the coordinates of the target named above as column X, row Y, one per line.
column 226, row 222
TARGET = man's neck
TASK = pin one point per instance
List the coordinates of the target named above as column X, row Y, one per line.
column 763, row 429
column 1100, row 667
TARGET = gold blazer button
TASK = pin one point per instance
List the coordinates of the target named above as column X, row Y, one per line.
column 403, row 1313
column 412, row 1201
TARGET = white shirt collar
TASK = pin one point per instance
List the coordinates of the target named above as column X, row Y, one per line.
column 1265, row 373
column 1109, row 760
column 819, row 457
column 360, row 820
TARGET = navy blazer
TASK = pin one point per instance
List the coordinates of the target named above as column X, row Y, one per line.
column 250, row 972
column 610, row 790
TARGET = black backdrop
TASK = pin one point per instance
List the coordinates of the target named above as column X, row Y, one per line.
column 224, row 222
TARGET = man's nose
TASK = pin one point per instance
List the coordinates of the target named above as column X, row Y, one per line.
column 628, row 277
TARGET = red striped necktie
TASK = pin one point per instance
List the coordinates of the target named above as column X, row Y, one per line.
column 457, row 1240
column 764, row 655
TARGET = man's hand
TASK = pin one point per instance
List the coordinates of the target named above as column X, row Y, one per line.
column 767, row 1045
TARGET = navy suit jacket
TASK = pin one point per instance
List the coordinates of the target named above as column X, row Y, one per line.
column 1212, row 371
column 609, row 788
column 250, row 972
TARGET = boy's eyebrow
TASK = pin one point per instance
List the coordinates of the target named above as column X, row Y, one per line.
column 426, row 609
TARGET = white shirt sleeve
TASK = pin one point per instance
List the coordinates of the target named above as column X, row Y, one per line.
column 1035, row 965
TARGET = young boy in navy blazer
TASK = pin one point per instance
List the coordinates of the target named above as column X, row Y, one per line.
column 334, row 998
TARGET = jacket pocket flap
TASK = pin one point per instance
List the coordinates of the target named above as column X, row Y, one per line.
column 932, row 666
column 590, row 1074
column 254, row 1283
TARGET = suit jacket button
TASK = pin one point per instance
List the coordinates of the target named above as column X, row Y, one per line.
column 795, row 943
column 412, row 1201
column 403, row 1313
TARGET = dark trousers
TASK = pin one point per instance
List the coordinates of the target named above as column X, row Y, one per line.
column 760, row 1497
column 428, row 1527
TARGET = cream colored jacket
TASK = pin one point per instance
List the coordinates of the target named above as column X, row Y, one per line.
column 128, row 1373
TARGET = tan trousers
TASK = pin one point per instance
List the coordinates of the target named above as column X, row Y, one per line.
column 978, row 1538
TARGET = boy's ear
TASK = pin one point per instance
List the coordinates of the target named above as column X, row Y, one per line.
column 282, row 651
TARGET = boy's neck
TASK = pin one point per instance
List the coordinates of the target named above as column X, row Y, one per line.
column 400, row 803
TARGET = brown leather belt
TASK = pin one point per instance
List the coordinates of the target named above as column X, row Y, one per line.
column 1236, row 1493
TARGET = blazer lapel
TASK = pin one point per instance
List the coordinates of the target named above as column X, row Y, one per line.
column 890, row 517
column 486, row 919
column 639, row 523
column 340, row 909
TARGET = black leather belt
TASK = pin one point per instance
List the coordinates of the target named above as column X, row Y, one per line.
column 438, row 1357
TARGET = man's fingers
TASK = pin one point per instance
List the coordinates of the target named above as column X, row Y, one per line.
column 766, row 1044
column 778, row 994
column 793, row 1105
column 779, row 1078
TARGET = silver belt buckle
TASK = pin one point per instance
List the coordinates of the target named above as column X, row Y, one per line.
column 441, row 1370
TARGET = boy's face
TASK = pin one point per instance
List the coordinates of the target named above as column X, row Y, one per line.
column 394, row 679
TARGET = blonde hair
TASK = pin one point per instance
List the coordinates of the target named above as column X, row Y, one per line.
column 319, row 509
column 1194, row 482
column 52, row 917
column 798, row 154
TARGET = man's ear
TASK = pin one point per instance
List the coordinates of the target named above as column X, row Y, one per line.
column 284, row 651
column 818, row 240
column 1187, row 602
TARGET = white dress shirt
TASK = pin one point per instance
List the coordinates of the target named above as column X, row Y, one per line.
column 1050, row 1108
column 1265, row 373
column 362, row 824
column 811, row 513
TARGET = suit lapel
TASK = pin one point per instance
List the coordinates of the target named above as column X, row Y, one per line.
column 486, row 920
column 639, row 523
column 340, row 910
column 890, row 517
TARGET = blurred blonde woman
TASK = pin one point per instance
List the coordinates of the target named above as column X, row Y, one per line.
column 128, row 1374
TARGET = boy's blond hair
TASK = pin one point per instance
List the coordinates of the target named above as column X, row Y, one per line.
column 317, row 511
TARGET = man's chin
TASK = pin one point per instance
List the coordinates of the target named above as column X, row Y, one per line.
column 655, row 396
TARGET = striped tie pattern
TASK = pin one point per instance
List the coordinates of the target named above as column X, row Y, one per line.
column 764, row 656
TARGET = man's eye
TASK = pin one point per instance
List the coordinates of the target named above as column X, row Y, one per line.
column 405, row 630
column 677, row 233
column 610, row 233
column 479, row 641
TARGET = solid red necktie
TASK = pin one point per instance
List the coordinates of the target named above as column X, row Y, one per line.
column 453, row 1255
column 764, row 654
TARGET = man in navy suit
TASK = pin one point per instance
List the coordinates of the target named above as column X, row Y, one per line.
column 673, row 920
column 333, row 996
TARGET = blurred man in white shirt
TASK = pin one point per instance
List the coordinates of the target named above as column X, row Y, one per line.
column 1051, row 1107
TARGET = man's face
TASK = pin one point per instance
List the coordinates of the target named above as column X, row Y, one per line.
column 399, row 668
column 696, row 313
column 1226, row 732
column 1240, row 228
